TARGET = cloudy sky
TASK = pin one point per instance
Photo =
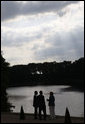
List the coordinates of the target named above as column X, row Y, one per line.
column 39, row 31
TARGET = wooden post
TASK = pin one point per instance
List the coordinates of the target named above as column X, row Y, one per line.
column 67, row 116
column 22, row 115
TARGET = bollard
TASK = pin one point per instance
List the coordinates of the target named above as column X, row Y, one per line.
column 22, row 115
column 67, row 116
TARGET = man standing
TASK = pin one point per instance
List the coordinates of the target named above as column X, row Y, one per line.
column 42, row 106
column 35, row 104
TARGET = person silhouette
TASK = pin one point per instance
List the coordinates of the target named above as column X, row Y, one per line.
column 35, row 104
column 42, row 106
column 51, row 104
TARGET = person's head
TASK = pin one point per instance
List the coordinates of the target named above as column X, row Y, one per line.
column 41, row 92
column 51, row 93
column 35, row 92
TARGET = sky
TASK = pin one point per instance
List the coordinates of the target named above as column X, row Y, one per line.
column 42, row 31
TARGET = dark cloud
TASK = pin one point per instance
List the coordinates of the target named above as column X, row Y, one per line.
column 75, row 36
column 12, row 39
column 67, row 44
column 11, row 9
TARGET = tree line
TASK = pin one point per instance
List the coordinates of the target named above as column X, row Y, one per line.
column 48, row 73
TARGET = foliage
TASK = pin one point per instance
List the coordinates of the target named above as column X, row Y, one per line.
column 48, row 73
column 5, row 106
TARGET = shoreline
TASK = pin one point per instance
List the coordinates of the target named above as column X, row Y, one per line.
column 70, row 88
column 7, row 117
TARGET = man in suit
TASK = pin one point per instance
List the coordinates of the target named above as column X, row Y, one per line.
column 42, row 106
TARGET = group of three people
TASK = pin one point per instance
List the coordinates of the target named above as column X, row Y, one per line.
column 40, row 106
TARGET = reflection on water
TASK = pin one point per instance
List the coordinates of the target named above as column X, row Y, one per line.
column 71, row 89
column 24, row 96
column 17, row 97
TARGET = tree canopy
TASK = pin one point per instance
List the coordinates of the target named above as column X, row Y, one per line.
column 5, row 105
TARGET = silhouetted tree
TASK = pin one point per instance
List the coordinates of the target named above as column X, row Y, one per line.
column 5, row 106
column 67, row 116
column 22, row 115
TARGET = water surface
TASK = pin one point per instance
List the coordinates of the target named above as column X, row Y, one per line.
column 74, row 100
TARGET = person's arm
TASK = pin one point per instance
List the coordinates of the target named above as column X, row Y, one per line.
column 33, row 100
column 54, row 100
column 47, row 99
column 44, row 100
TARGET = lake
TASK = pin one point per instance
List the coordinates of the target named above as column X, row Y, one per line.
column 74, row 100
